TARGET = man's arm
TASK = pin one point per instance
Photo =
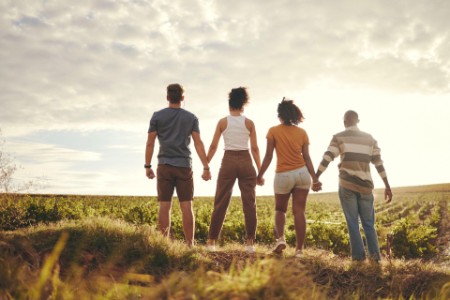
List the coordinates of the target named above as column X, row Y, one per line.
column 331, row 153
column 200, row 148
column 149, row 153
column 378, row 163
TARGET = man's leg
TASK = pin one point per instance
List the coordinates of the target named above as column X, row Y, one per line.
column 164, row 217
column 185, row 192
column 187, row 215
column 165, row 191
column 367, row 215
column 349, row 203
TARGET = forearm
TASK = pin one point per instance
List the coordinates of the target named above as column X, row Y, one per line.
column 265, row 164
column 386, row 183
column 200, row 148
column 211, row 151
column 149, row 152
column 256, row 158
column 310, row 167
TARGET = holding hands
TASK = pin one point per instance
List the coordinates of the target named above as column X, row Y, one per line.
column 206, row 174
column 316, row 186
column 260, row 181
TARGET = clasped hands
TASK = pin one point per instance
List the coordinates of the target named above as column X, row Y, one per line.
column 206, row 174
column 316, row 186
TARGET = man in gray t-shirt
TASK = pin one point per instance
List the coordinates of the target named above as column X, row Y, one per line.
column 174, row 128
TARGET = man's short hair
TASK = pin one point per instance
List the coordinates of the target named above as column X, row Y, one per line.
column 174, row 92
column 351, row 116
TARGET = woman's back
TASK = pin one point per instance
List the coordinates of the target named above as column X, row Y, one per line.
column 236, row 135
column 289, row 140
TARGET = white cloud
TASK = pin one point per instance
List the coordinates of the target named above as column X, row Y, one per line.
column 103, row 65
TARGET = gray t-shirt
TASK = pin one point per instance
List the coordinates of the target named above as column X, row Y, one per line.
column 174, row 127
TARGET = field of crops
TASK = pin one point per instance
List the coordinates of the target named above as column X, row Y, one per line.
column 411, row 226
column 107, row 247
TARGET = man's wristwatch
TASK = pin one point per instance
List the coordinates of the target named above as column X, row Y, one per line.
column 147, row 166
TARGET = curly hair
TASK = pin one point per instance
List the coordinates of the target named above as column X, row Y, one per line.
column 237, row 98
column 289, row 112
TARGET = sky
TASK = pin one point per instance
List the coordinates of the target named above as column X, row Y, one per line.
column 79, row 81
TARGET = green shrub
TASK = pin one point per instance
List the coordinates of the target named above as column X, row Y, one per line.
column 412, row 240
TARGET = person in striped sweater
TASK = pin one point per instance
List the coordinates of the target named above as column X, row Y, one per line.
column 357, row 149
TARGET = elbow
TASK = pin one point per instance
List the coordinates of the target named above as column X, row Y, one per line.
column 198, row 144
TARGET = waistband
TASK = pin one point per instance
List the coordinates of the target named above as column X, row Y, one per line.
column 302, row 168
column 236, row 152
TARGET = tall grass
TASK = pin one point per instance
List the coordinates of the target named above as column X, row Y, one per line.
column 101, row 258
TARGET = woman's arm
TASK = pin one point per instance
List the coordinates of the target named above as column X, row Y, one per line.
column 254, row 143
column 267, row 160
column 215, row 141
column 309, row 165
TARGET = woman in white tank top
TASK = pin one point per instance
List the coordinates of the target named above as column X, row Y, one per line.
column 237, row 132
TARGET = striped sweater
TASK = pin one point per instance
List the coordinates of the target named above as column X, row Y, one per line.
column 357, row 150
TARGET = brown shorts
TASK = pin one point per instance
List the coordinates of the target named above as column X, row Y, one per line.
column 170, row 177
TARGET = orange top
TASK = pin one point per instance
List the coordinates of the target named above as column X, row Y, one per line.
column 288, row 141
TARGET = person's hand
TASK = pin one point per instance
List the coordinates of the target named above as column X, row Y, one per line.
column 387, row 195
column 206, row 174
column 260, row 181
column 316, row 186
column 149, row 173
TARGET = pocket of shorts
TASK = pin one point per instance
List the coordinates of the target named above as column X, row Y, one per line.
column 282, row 182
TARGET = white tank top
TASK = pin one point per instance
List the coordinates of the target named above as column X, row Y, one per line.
column 236, row 135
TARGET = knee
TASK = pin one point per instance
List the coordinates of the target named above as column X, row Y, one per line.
column 280, row 210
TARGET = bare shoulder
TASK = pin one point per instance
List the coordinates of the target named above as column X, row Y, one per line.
column 249, row 124
column 222, row 124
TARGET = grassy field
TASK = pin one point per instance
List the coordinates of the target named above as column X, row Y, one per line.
column 103, row 247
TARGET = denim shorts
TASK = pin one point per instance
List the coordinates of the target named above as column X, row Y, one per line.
column 285, row 182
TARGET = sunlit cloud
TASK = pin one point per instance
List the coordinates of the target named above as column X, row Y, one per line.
column 102, row 66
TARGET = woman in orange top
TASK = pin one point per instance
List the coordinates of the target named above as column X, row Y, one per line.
column 294, row 171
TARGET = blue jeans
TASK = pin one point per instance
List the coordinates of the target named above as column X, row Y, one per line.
column 356, row 205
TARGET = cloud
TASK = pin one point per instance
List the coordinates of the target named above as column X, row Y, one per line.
column 43, row 154
column 86, row 63
column 102, row 66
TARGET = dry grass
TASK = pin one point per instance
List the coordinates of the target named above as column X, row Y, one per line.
column 103, row 258
column 109, row 259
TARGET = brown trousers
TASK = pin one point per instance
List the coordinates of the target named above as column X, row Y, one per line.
column 235, row 165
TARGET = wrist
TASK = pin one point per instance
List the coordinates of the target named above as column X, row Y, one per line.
column 147, row 166
column 205, row 168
